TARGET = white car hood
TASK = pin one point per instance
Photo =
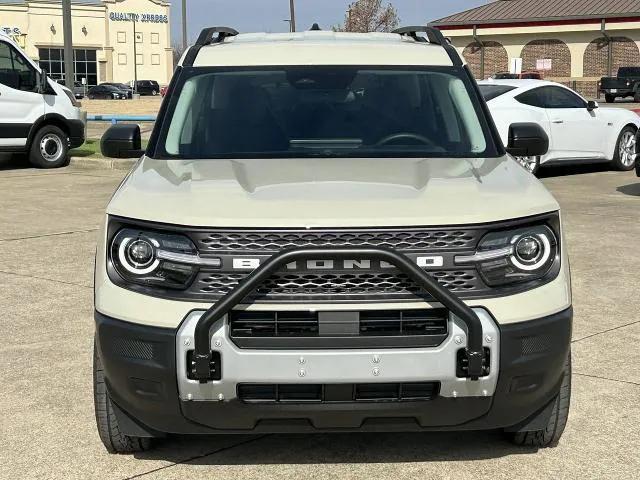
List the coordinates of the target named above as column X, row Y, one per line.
column 329, row 192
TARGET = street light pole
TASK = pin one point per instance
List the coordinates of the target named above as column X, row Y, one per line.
column 69, row 76
column 184, row 25
column 292, row 8
column 135, row 56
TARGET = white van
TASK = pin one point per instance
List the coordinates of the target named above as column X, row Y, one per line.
column 37, row 115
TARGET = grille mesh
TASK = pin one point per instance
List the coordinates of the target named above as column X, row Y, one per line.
column 323, row 284
column 274, row 241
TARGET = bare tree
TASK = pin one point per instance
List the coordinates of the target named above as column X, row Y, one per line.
column 369, row 16
column 178, row 50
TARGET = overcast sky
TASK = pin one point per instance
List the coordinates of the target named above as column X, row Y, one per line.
column 268, row 15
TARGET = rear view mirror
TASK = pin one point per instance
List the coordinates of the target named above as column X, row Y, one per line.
column 122, row 141
column 527, row 140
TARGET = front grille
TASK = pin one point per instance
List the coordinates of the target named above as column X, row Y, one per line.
column 353, row 329
column 303, row 284
column 269, row 241
column 274, row 324
column 291, row 286
column 331, row 393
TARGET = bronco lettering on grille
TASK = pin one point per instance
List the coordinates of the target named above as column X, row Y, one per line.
column 253, row 263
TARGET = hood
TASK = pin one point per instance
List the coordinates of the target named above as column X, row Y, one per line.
column 329, row 192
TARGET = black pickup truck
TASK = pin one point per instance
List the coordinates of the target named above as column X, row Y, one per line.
column 626, row 84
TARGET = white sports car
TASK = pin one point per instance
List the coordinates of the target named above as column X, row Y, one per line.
column 579, row 130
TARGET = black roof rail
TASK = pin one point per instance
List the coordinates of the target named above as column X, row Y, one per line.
column 207, row 37
column 434, row 36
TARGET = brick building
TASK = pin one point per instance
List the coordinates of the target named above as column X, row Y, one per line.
column 575, row 42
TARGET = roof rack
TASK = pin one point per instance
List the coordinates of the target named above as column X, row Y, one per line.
column 434, row 36
column 206, row 37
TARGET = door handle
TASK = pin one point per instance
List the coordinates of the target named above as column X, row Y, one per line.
column 558, row 121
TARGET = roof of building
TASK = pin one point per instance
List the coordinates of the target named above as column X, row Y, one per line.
column 525, row 11
column 321, row 48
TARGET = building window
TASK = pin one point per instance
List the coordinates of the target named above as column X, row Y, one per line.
column 122, row 37
column 155, row 59
column 139, row 37
column 122, row 59
column 139, row 59
column 85, row 64
column 155, row 38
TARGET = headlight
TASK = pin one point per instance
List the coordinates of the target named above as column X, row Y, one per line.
column 515, row 256
column 156, row 259
column 71, row 97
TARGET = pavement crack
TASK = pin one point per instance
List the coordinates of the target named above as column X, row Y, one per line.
column 34, row 277
column 197, row 457
column 44, row 235
column 605, row 331
column 607, row 378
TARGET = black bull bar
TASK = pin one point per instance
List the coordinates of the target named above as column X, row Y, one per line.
column 202, row 342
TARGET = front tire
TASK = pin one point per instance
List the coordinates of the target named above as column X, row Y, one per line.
column 610, row 98
column 624, row 157
column 108, row 429
column 49, row 148
column 550, row 435
column 154, row 93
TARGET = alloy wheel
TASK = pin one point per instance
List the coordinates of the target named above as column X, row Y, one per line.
column 627, row 149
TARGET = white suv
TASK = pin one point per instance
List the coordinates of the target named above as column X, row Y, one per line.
column 37, row 115
column 325, row 233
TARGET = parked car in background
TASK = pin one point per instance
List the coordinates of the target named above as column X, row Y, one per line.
column 147, row 87
column 37, row 115
column 625, row 84
column 530, row 75
column 579, row 131
column 106, row 92
column 79, row 90
column 163, row 90
column 121, row 86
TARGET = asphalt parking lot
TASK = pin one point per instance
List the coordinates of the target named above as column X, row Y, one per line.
column 48, row 222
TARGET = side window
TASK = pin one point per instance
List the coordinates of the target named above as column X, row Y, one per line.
column 15, row 71
column 534, row 98
column 558, row 97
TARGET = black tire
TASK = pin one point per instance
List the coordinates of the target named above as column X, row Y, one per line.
column 636, row 96
column 550, row 436
column 49, row 148
column 610, row 98
column 108, row 429
column 618, row 163
column 154, row 93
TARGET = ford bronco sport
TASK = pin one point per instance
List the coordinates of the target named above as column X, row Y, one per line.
column 325, row 233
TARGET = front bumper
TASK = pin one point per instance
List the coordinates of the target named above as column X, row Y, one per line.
column 76, row 133
column 146, row 379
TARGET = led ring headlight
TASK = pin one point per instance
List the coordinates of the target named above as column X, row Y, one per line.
column 538, row 246
column 127, row 256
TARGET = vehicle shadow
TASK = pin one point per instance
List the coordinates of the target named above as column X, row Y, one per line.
column 337, row 448
column 563, row 171
column 14, row 161
column 633, row 189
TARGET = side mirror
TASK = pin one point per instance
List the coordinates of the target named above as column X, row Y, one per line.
column 527, row 140
column 591, row 105
column 122, row 141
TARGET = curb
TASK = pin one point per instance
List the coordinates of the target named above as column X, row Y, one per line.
column 101, row 163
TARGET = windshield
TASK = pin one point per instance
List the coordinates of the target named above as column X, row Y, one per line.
column 324, row 112
column 489, row 92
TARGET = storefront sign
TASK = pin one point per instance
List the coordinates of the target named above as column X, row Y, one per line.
column 138, row 17
column 11, row 30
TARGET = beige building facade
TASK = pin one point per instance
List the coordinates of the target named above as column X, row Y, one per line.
column 575, row 42
column 108, row 37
